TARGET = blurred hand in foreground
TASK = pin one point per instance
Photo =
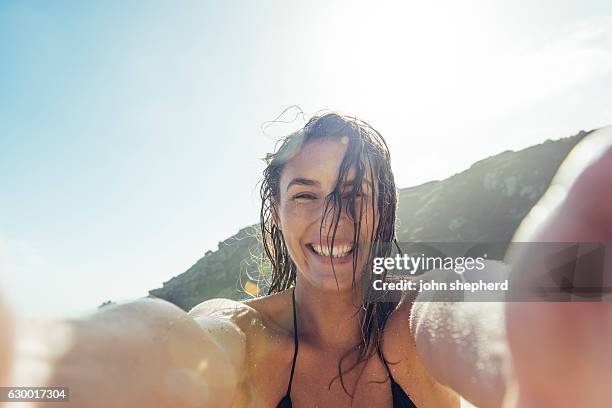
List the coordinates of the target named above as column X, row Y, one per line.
column 560, row 351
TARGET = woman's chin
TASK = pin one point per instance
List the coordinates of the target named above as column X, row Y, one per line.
column 327, row 281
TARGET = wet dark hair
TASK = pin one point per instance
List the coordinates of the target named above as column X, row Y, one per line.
column 368, row 154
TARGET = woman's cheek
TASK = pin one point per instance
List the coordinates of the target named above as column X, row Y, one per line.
column 299, row 215
column 293, row 230
column 368, row 226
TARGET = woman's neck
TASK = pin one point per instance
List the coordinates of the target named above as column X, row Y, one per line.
column 328, row 319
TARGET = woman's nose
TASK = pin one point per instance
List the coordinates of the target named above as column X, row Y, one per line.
column 332, row 214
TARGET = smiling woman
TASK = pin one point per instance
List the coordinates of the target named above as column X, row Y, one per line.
column 318, row 189
column 328, row 205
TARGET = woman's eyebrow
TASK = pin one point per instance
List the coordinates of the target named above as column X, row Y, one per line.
column 309, row 182
column 351, row 183
column 303, row 182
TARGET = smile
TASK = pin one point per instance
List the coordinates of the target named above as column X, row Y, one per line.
column 339, row 251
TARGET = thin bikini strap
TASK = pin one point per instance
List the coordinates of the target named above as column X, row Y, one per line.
column 295, row 341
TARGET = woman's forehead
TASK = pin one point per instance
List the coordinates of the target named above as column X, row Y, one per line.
column 318, row 163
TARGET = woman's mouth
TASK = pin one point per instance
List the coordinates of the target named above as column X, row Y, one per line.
column 340, row 252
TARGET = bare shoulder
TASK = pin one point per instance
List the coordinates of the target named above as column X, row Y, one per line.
column 399, row 343
column 228, row 323
column 225, row 309
column 399, row 346
column 450, row 344
column 249, row 316
column 243, row 327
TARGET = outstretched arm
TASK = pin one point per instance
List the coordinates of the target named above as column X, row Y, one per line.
column 559, row 351
column 463, row 344
column 144, row 353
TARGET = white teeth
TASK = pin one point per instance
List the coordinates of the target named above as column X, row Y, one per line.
column 339, row 250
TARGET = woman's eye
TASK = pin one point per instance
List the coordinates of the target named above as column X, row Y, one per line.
column 304, row 197
column 349, row 195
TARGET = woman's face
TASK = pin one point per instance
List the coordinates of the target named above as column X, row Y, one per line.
column 306, row 180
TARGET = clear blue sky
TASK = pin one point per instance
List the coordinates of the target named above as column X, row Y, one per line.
column 130, row 132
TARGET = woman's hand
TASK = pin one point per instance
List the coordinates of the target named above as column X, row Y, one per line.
column 144, row 353
column 561, row 351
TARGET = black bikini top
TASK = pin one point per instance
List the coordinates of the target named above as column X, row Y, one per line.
column 400, row 398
